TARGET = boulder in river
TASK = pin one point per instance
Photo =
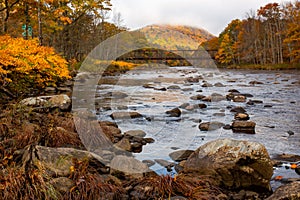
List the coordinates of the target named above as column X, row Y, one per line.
column 241, row 116
column 243, row 127
column 210, row 126
column 197, row 97
column 125, row 115
column 239, row 98
column 238, row 109
column 180, row 155
column 234, row 164
column 174, row 112
column 135, row 133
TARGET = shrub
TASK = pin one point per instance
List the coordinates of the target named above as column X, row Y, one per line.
column 26, row 67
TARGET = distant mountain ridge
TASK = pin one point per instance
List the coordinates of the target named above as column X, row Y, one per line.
column 175, row 37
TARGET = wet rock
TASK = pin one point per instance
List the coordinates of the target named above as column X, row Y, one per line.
column 193, row 79
column 124, row 144
column 149, row 140
column 168, row 165
column 290, row 132
column 288, row 191
column 227, row 127
column 239, row 98
column 111, row 130
column 255, row 83
column 125, row 115
column 173, row 87
column 234, row 164
column 287, row 157
column 210, row 126
column 135, row 133
column 233, row 91
column 196, row 106
column 199, row 91
column 161, row 89
column 174, row 112
column 149, row 163
column 129, row 166
column 241, row 116
column 187, row 89
column 149, row 86
column 197, row 97
column 207, row 85
column 116, row 95
column 238, row 109
column 243, row 127
column 219, row 114
column 219, row 85
column 268, row 106
column 184, row 105
column 215, row 97
column 136, row 147
column 252, row 102
column 180, row 155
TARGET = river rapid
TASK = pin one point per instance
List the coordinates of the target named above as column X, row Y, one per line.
column 152, row 91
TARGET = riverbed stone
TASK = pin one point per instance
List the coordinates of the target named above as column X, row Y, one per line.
column 239, row 98
column 238, row 109
column 125, row 115
column 135, row 133
column 241, row 116
column 210, row 126
column 180, row 155
column 255, row 83
column 243, row 127
column 129, row 166
column 176, row 112
column 124, row 144
column 197, row 97
column 289, row 191
column 234, row 164
column 173, row 87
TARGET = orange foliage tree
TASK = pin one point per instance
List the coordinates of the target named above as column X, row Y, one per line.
column 26, row 67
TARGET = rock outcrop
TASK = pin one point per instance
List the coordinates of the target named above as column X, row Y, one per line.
column 234, row 164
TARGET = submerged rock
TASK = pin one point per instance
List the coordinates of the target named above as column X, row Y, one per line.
column 238, row 110
column 234, row 164
column 210, row 126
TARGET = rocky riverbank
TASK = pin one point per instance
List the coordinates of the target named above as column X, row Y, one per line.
column 42, row 157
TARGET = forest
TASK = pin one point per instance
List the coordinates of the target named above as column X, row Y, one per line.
column 268, row 36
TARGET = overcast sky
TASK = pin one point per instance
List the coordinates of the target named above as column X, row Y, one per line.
column 212, row 15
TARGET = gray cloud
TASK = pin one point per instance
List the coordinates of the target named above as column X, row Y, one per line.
column 212, row 15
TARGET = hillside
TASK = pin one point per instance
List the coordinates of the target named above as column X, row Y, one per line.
column 175, row 37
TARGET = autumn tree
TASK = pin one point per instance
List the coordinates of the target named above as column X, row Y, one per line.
column 228, row 40
column 26, row 67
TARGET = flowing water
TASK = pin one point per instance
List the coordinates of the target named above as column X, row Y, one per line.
column 278, row 114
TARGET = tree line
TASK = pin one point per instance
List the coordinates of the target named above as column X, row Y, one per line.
column 73, row 28
column 271, row 35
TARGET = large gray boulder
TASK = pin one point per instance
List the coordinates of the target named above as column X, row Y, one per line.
column 290, row 191
column 234, row 164
column 59, row 161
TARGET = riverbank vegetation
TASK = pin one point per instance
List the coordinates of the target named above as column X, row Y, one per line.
column 267, row 38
